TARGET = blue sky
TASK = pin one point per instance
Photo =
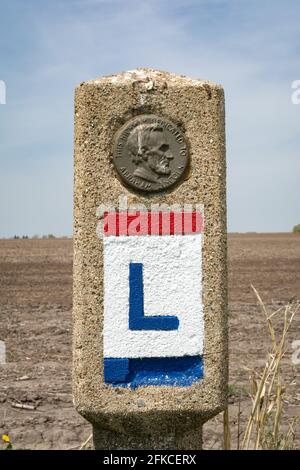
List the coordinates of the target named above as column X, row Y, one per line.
column 48, row 47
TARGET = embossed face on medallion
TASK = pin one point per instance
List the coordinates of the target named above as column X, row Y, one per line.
column 150, row 153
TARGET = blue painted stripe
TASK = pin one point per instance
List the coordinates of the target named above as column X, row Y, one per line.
column 171, row 371
column 116, row 370
column 137, row 319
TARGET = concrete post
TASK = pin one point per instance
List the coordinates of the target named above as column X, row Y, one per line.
column 164, row 439
column 150, row 267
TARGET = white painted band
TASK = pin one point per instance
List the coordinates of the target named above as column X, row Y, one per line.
column 172, row 278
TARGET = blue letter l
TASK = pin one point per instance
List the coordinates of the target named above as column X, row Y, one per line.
column 137, row 319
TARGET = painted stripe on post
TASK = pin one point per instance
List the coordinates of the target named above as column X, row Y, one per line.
column 153, row 312
column 152, row 223
column 173, row 371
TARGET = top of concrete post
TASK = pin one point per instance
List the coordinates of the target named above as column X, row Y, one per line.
column 150, row 78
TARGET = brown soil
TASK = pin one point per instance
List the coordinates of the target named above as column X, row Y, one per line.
column 35, row 323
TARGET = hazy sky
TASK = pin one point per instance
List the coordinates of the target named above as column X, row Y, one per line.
column 48, row 47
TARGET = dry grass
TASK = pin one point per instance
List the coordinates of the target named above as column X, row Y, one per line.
column 268, row 389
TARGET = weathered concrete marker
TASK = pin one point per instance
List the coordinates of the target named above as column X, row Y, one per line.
column 150, row 287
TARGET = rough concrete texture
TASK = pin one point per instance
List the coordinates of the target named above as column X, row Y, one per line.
column 148, row 417
column 166, row 438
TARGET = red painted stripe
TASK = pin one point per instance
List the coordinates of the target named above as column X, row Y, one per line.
column 153, row 223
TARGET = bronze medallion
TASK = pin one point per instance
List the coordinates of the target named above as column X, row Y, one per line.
column 150, row 153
